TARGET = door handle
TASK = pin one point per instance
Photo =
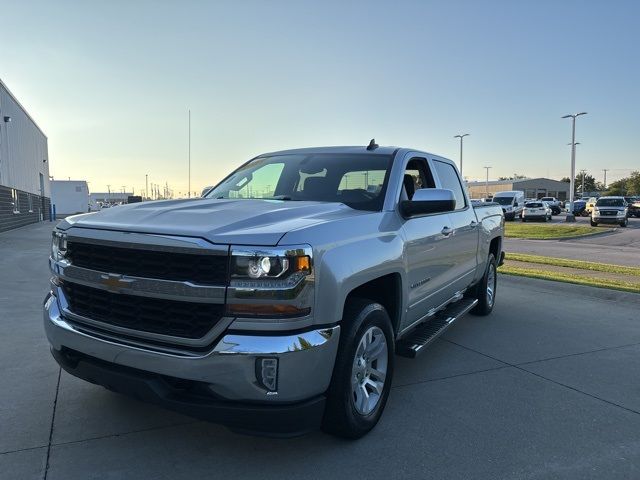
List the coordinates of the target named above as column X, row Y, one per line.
column 473, row 224
column 446, row 231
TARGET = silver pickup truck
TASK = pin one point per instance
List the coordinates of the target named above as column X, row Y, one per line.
column 277, row 303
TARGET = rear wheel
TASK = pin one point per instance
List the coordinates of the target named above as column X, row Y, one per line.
column 363, row 370
column 485, row 291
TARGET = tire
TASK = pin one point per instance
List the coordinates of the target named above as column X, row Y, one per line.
column 624, row 223
column 524, row 220
column 347, row 414
column 486, row 301
column 594, row 224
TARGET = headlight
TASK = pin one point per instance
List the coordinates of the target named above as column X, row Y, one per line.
column 58, row 246
column 261, row 267
column 595, row 210
column 270, row 283
column 621, row 213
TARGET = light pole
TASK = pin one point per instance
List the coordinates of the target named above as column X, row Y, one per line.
column 486, row 183
column 146, row 185
column 189, row 153
column 570, row 216
column 605, row 170
column 461, row 137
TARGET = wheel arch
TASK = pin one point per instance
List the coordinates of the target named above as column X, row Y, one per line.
column 385, row 290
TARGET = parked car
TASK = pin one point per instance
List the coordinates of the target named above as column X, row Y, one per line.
column 591, row 202
column 580, row 208
column 512, row 203
column 633, row 206
column 610, row 210
column 553, row 203
column 275, row 314
column 536, row 211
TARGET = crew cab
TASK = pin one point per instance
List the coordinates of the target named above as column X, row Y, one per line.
column 275, row 304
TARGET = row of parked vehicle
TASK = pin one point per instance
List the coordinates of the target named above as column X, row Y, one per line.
column 585, row 207
column 611, row 209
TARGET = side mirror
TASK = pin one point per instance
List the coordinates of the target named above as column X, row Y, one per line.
column 428, row 200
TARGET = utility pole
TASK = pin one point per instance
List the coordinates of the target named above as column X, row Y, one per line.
column 570, row 216
column 605, row 170
column 109, row 194
column 583, row 173
column 461, row 137
column 486, row 183
column 146, row 185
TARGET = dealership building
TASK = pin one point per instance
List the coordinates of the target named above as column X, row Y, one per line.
column 532, row 188
column 24, row 166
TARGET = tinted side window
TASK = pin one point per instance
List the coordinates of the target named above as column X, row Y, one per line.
column 449, row 180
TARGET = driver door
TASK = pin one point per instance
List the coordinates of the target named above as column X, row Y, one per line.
column 426, row 247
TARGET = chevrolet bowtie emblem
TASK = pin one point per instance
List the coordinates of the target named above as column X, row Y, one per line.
column 115, row 282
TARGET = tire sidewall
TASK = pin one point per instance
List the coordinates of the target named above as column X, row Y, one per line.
column 341, row 416
column 483, row 307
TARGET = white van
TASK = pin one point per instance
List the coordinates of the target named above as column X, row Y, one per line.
column 512, row 203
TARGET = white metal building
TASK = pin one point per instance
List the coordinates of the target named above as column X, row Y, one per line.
column 69, row 197
column 24, row 165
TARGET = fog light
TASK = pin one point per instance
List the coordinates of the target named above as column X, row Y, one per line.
column 267, row 373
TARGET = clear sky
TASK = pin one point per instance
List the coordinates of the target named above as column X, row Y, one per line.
column 110, row 82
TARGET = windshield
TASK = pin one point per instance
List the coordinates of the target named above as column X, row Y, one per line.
column 610, row 202
column 357, row 180
column 533, row 205
column 503, row 200
column 547, row 199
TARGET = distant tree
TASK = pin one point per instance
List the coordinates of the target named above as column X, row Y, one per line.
column 565, row 179
column 589, row 183
column 514, row 177
column 626, row 186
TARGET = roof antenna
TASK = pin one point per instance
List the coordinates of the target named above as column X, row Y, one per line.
column 372, row 144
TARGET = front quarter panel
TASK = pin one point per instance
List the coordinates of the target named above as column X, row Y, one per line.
column 349, row 253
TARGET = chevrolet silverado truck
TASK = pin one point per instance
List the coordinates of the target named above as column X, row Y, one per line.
column 275, row 304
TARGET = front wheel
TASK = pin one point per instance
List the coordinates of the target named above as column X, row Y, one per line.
column 594, row 224
column 624, row 223
column 485, row 291
column 363, row 370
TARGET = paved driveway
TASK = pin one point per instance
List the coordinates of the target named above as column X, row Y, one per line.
column 546, row 387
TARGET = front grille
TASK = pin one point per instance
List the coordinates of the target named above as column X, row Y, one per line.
column 204, row 269
column 608, row 212
column 153, row 315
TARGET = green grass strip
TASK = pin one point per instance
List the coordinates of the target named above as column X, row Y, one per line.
column 542, row 231
column 563, row 262
column 569, row 278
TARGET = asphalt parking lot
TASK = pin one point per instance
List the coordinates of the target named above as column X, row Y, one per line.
column 545, row 387
column 620, row 246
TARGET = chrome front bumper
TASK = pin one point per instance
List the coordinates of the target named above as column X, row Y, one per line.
column 305, row 360
column 607, row 218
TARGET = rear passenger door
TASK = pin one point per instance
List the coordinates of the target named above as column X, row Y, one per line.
column 463, row 250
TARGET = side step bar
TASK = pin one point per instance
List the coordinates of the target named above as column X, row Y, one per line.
column 417, row 340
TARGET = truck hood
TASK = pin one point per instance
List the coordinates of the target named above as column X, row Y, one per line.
column 226, row 221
